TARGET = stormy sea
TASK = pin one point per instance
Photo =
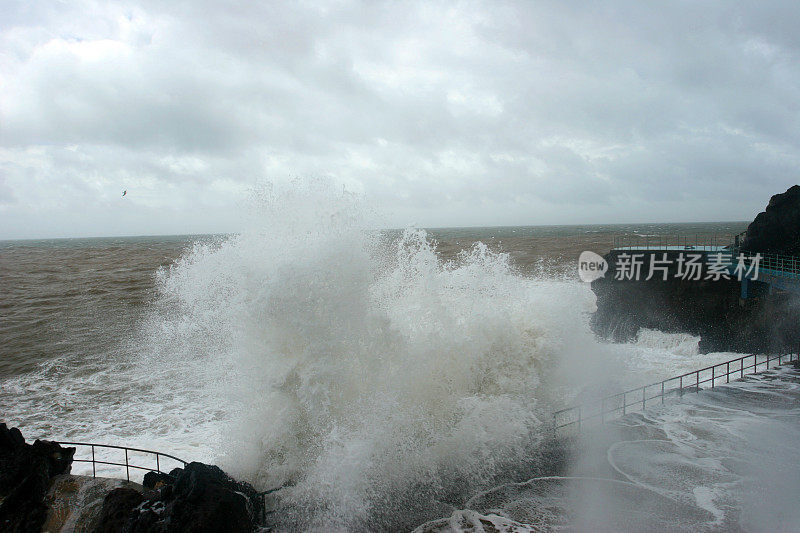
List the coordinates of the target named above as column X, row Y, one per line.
column 385, row 379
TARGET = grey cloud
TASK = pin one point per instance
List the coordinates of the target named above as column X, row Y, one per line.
column 551, row 105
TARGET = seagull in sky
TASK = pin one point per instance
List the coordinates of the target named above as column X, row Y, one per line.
column 124, row 192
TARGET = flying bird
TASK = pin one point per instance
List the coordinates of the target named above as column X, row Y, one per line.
column 124, row 192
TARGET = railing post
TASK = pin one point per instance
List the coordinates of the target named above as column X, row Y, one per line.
column 713, row 374
column 680, row 387
column 662, row 393
column 741, row 363
column 624, row 403
column 127, row 468
column 728, row 372
column 94, row 471
column 697, row 373
column 644, row 397
column 158, row 466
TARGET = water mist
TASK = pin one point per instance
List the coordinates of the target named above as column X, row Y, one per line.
column 358, row 366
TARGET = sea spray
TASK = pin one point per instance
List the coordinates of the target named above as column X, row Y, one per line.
column 381, row 383
column 362, row 367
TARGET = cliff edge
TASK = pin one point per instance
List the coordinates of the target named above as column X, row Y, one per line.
column 767, row 321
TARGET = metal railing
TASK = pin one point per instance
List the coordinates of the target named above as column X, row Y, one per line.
column 263, row 514
column 127, row 465
column 699, row 242
column 636, row 400
column 777, row 264
column 782, row 265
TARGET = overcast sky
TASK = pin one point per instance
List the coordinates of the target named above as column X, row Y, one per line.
column 439, row 113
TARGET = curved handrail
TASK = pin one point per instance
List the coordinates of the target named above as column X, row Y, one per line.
column 127, row 464
column 264, row 513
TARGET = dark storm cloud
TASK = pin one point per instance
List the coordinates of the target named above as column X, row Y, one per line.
column 441, row 113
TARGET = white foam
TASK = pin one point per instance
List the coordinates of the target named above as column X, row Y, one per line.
column 466, row 521
column 360, row 368
column 723, row 459
column 311, row 351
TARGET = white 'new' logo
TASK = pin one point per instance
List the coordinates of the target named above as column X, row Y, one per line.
column 591, row 266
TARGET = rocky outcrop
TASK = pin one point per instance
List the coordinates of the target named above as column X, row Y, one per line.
column 777, row 229
column 26, row 471
column 38, row 494
column 75, row 502
column 711, row 309
column 118, row 510
column 155, row 480
column 202, row 498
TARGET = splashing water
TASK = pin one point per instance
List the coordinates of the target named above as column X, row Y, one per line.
column 379, row 384
column 362, row 367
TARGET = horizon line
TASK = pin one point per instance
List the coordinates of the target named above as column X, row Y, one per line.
column 431, row 228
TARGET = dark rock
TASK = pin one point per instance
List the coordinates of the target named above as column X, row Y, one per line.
column 25, row 475
column 710, row 309
column 154, row 480
column 10, row 438
column 202, row 499
column 777, row 229
column 116, row 516
column 75, row 502
column 59, row 460
column 23, row 509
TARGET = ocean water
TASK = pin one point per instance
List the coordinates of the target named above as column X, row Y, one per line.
column 382, row 377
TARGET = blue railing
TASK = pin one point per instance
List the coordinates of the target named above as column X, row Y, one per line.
column 729, row 245
column 775, row 264
column 697, row 242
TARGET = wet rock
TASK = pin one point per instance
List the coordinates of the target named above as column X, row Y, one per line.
column 777, row 229
column 708, row 308
column 23, row 509
column 155, row 480
column 711, row 310
column 38, row 494
column 117, row 514
column 74, row 502
column 17, row 457
column 175, row 472
column 26, row 471
column 202, row 498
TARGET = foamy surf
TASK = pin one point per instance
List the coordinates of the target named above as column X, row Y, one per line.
column 365, row 370
column 380, row 384
column 721, row 460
